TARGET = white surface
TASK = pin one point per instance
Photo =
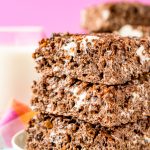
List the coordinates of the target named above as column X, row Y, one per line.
column 18, row 140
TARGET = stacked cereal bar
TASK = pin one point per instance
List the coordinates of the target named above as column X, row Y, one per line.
column 97, row 58
column 129, row 19
column 100, row 87
column 65, row 133
column 95, row 103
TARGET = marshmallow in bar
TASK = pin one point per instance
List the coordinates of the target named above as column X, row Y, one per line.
column 123, row 16
column 60, row 133
column 96, row 58
column 94, row 103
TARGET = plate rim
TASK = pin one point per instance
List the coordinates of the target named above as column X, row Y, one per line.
column 13, row 141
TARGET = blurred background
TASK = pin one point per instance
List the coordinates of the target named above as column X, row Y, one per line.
column 53, row 16
column 22, row 25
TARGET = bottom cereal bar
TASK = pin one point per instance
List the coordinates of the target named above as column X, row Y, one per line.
column 60, row 133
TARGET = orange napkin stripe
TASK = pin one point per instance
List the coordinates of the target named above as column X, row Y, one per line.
column 20, row 108
column 26, row 117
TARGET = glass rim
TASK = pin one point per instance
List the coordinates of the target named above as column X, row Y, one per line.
column 21, row 35
column 19, row 29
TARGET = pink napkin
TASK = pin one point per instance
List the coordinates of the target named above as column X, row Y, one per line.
column 14, row 120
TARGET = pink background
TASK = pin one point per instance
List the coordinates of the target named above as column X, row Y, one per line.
column 53, row 15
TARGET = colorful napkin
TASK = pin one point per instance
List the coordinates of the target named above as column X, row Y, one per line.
column 14, row 120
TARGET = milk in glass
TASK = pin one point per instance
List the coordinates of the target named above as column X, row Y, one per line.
column 16, row 64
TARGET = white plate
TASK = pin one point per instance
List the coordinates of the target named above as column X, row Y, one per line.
column 18, row 140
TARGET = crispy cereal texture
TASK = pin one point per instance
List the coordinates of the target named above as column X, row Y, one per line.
column 94, row 103
column 112, row 16
column 59, row 133
column 96, row 58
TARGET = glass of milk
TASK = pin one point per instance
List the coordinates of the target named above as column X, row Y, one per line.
column 16, row 64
